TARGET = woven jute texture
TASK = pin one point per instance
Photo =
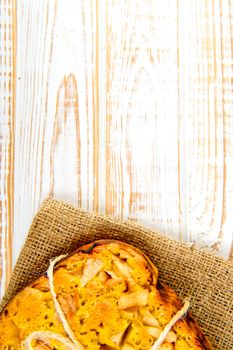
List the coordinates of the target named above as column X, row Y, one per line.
column 207, row 280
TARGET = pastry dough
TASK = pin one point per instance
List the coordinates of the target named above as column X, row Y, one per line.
column 109, row 298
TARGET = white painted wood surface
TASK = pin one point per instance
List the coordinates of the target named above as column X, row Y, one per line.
column 120, row 107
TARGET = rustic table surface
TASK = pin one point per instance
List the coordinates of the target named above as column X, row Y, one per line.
column 122, row 107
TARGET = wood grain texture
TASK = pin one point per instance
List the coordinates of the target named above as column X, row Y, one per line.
column 169, row 110
column 7, row 121
column 119, row 107
column 55, row 140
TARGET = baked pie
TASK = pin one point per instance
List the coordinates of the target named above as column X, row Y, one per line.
column 104, row 296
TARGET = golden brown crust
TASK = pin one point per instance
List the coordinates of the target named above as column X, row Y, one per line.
column 110, row 294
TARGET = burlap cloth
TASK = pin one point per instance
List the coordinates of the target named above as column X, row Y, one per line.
column 207, row 280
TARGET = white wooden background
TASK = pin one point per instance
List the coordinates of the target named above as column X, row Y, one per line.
column 122, row 107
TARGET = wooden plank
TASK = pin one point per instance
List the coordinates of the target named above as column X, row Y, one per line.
column 205, row 85
column 169, row 118
column 56, row 108
column 142, row 110
column 7, row 113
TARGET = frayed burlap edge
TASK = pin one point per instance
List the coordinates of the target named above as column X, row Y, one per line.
column 207, row 280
